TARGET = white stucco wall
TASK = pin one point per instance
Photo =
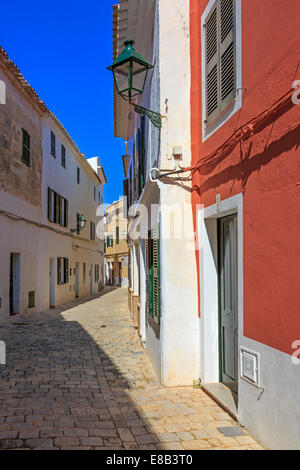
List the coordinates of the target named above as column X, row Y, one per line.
column 77, row 248
column 172, row 351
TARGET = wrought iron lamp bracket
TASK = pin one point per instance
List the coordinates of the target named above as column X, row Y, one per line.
column 155, row 118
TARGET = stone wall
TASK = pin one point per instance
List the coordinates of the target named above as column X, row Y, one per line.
column 15, row 176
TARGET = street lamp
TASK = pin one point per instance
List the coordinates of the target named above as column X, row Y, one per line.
column 81, row 221
column 130, row 71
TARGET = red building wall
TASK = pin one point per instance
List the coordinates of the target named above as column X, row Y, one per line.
column 266, row 167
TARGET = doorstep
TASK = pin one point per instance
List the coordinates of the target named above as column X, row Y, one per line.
column 223, row 396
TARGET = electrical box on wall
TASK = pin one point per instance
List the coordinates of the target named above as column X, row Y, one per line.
column 250, row 366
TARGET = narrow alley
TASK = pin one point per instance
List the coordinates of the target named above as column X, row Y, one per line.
column 77, row 377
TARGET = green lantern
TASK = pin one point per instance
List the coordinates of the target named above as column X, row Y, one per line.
column 130, row 72
column 81, row 221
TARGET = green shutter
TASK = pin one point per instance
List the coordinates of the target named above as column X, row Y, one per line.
column 156, row 274
column 49, row 204
column 66, row 270
column 58, row 270
column 66, row 213
column 25, row 147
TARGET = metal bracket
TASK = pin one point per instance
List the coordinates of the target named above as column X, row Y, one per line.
column 155, row 118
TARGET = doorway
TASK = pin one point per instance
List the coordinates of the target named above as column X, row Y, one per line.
column 51, row 283
column 77, row 279
column 14, row 283
column 228, row 302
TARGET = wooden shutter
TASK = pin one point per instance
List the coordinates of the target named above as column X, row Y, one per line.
column 66, row 213
column 156, row 274
column 211, row 58
column 57, row 208
column 25, row 147
column 220, row 58
column 227, row 52
column 58, row 270
column 147, row 273
column 66, row 270
column 49, row 204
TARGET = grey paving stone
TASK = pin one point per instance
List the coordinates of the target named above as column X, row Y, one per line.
column 231, row 431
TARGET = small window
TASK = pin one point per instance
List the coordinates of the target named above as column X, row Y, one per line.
column 110, row 242
column 92, row 231
column 25, row 147
column 62, row 271
column 78, row 175
column 53, row 146
column 117, row 235
column 57, row 208
column 94, row 193
column 63, row 156
column 31, row 299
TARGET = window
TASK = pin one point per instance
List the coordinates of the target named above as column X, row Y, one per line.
column 63, row 156
column 57, row 208
column 152, row 246
column 31, row 299
column 110, row 242
column 78, row 175
column 62, row 270
column 92, row 230
column 84, row 273
column 94, row 193
column 117, row 235
column 53, row 148
column 25, row 147
column 221, row 64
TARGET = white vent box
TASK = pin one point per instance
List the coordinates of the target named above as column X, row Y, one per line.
column 250, row 366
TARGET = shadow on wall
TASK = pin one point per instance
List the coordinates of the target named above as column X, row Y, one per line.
column 60, row 386
column 244, row 169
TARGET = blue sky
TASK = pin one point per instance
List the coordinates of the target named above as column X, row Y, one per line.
column 63, row 48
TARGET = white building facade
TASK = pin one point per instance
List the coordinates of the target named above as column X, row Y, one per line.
column 162, row 270
column 45, row 183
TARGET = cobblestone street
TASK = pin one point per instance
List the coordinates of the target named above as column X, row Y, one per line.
column 78, row 377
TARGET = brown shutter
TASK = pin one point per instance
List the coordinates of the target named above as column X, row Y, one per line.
column 227, row 52
column 211, row 58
